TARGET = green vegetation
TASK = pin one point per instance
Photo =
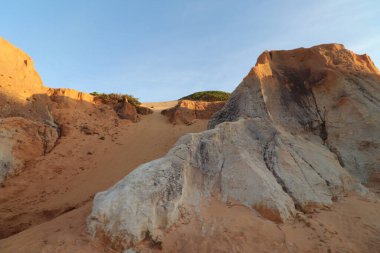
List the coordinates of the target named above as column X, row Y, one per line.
column 114, row 98
column 209, row 96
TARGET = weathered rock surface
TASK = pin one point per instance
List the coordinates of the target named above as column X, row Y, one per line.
column 304, row 121
column 21, row 141
column 326, row 90
column 187, row 111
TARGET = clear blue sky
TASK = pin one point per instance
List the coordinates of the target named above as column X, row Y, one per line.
column 161, row 50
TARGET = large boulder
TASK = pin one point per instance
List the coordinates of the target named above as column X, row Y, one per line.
column 249, row 161
column 301, row 123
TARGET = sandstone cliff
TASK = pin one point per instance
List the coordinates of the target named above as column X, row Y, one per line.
column 27, row 128
column 299, row 132
column 33, row 117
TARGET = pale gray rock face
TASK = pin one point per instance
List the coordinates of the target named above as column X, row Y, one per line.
column 325, row 90
column 281, row 144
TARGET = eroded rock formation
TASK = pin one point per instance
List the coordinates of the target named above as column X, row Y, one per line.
column 27, row 128
column 299, row 132
column 187, row 111
column 32, row 116
column 326, row 90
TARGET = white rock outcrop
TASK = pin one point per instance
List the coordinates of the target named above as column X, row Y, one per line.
column 284, row 142
column 325, row 90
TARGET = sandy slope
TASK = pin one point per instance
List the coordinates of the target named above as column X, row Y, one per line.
column 63, row 182
column 352, row 225
column 51, row 199
column 57, row 200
